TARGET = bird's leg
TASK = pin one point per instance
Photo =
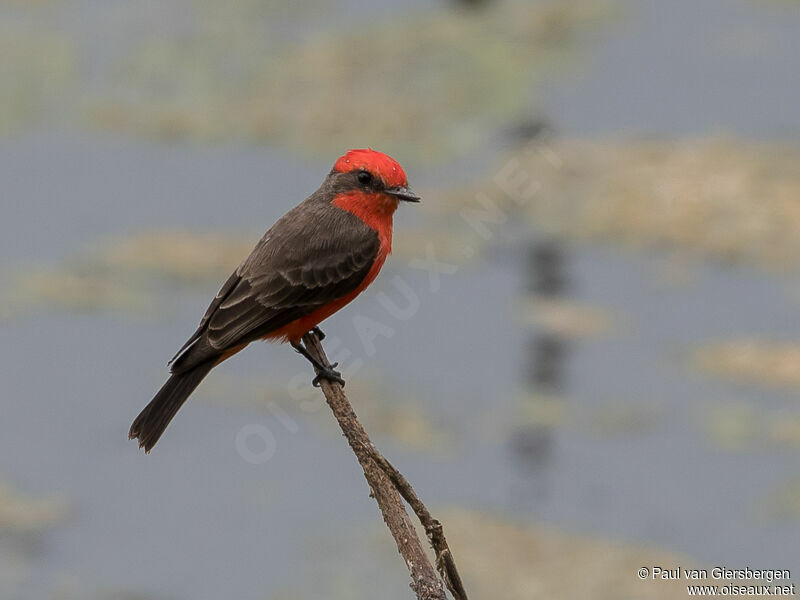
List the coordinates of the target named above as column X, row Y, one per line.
column 324, row 372
column 319, row 333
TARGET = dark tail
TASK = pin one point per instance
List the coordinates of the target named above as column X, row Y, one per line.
column 155, row 417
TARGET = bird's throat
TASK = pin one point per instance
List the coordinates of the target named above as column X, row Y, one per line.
column 375, row 210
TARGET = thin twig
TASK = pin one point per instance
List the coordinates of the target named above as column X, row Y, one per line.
column 445, row 563
column 387, row 485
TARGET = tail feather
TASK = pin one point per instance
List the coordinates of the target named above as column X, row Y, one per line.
column 155, row 417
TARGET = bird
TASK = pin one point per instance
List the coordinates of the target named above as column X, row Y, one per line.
column 313, row 261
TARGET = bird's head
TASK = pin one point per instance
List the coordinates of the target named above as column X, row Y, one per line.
column 372, row 174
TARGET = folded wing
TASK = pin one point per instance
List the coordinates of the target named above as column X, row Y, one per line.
column 306, row 260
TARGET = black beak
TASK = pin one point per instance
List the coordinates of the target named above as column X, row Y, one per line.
column 403, row 193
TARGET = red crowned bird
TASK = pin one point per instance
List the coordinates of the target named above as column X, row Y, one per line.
column 314, row 260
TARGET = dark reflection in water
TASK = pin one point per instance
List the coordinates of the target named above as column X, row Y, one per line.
column 544, row 269
column 527, row 130
column 472, row 4
column 546, row 354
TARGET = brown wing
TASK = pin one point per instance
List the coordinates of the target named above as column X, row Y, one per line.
column 316, row 253
column 223, row 292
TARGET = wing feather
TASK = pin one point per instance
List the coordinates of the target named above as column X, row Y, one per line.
column 307, row 259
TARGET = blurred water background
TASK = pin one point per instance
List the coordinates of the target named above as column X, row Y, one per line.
column 599, row 372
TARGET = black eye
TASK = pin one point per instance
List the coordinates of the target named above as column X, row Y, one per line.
column 364, row 177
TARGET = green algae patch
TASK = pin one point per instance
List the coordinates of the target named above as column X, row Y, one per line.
column 38, row 72
column 729, row 200
column 429, row 85
column 566, row 318
column 72, row 289
column 178, row 256
column 25, row 514
column 499, row 556
column 397, row 417
column 124, row 274
column 743, row 428
column 759, row 362
column 531, row 562
column 537, row 562
column 23, row 520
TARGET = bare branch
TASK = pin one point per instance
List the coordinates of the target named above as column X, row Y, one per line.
column 433, row 528
column 387, row 485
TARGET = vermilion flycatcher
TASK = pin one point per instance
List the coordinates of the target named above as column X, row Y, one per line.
column 313, row 260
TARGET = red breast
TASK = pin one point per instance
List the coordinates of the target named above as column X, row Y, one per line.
column 376, row 210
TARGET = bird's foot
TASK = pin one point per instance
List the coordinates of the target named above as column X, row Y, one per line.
column 323, row 371
column 319, row 332
column 330, row 374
